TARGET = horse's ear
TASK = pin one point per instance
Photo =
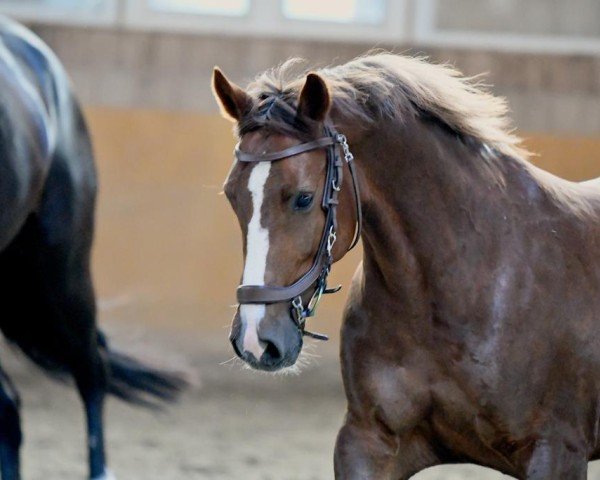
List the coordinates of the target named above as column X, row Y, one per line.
column 314, row 101
column 234, row 102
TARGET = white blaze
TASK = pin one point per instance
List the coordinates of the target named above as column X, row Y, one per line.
column 257, row 249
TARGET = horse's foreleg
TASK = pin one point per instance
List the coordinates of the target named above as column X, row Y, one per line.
column 371, row 452
column 10, row 429
column 91, row 379
column 556, row 460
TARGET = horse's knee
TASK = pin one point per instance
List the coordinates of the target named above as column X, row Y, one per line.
column 371, row 451
column 351, row 457
column 364, row 453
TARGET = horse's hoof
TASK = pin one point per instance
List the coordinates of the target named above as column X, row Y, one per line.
column 107, row 475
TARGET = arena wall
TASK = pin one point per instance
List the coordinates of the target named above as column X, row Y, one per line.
column 167, row 241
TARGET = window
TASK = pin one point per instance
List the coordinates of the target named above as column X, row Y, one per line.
column 534, row 17
column 370, row 21
column 339, row 11
column 205, row 7
column 79, row 4
column 567, row 27
column 86, row 12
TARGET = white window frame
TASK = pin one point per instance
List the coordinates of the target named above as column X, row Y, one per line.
column 266, row 19
column 427, row 33
column 104, row 14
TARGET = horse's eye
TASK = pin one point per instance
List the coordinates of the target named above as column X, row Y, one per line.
column 303, row 201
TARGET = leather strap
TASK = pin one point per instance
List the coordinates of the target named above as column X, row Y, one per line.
column 358, row 208
column 288, row 152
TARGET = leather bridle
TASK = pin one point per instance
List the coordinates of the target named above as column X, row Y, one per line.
column 317, row 274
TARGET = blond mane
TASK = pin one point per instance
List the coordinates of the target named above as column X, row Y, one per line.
column 385, row 85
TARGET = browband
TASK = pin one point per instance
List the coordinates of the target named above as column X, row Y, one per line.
column 288, row 152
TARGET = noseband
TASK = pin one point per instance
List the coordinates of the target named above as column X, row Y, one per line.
column 316, row 276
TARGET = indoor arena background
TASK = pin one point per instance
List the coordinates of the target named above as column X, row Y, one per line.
column 167, row 255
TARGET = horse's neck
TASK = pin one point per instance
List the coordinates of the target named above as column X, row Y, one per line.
column 430, row 197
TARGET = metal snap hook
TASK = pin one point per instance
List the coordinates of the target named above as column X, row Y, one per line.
column 313, row 303
column 298, row 312
column 331, row 238
column 343, row 141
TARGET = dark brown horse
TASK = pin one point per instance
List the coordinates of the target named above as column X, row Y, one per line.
column 47, row 197
column 472, row 329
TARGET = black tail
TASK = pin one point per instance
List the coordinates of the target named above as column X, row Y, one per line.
column 128, row 378
column 134, row 382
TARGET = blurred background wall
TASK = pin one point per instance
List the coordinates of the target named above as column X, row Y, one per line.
column 168, row 248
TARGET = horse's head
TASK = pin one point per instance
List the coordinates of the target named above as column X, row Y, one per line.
column 284, row 188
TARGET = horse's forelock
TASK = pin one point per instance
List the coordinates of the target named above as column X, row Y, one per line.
column 276, row 112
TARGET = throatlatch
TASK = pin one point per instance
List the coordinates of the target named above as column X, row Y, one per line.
column 316, row 277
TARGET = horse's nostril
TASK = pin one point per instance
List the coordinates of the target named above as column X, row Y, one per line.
column 280, row 344
column 272, row 354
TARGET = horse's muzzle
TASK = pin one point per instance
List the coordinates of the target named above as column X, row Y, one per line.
column 280, row 339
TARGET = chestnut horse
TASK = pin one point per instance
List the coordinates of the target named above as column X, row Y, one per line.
column 47, row 197
column 472, row 328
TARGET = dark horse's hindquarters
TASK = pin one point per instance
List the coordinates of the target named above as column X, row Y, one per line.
column 47, row 196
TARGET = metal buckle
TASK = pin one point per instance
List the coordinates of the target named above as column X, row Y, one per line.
column 300, row 314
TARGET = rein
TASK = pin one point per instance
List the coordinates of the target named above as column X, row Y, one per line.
column 319, row 271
